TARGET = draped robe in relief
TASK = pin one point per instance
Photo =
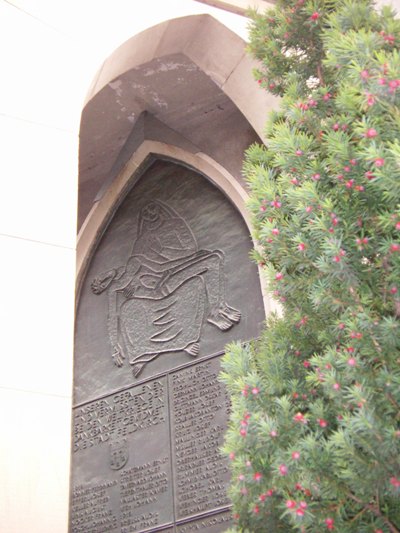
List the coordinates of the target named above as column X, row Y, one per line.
column 158, row 300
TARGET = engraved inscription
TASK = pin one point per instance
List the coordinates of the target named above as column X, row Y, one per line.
column 159, row 300
column 212, row 524
column 118, row 416
column 92, row 511
column 199, row 414
column 122, row 462
column 142, row 485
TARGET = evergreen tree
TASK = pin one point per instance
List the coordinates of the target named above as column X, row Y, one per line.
column 314, row 436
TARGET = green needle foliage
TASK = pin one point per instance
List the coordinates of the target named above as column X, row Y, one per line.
column 314, row 436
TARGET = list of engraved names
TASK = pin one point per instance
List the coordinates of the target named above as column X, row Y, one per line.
column 148, row 456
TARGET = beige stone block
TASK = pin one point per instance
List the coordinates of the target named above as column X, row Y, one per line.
column 178, row 33
column 135, row 51
column 38, row 192
column 239, row 6
column 34, row 462
column 253, row 102
column 215, row 49
column 36, row 315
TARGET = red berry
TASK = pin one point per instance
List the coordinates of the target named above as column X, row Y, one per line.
column 296, row 455
column 283, row 470
column 290, row 504
column 394, row 247
column 278, row 276
column 369, row 175
column 257, row 476
column 379, row 162
column 301, row 247
column 299, row 417
column 370, row 133
column 330, row 523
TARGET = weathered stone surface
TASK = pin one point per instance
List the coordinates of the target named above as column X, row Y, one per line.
column 170, row 283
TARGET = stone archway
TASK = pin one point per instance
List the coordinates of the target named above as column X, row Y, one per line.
column 164, row 278
column 186, row 82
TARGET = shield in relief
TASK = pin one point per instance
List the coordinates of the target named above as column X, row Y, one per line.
column 119, row 454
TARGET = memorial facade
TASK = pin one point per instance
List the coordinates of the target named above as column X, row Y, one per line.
column 165, row 281
column 169, row 284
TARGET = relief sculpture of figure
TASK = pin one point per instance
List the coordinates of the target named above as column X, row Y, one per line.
column 158, row 301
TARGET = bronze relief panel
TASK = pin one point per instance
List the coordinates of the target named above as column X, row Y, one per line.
column 169, row 284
